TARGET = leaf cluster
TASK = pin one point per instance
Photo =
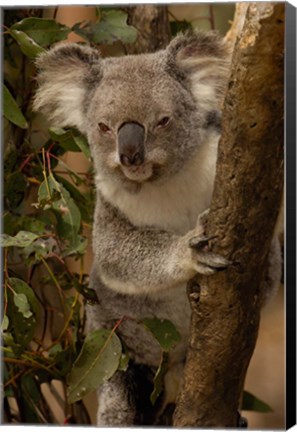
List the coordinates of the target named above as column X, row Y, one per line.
column 47, row 219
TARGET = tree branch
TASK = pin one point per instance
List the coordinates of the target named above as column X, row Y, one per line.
column 248, row 188
column 152, row 24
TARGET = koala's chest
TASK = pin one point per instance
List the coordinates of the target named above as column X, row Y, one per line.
column 174, row 207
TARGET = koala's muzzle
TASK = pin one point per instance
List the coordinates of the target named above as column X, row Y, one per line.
column 131, row 144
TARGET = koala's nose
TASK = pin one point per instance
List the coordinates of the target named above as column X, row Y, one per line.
column 131, row 144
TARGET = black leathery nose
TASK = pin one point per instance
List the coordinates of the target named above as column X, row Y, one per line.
column 131, row 144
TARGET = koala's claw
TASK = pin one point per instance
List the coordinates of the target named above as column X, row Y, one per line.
column 199, row 242
column 206, row 262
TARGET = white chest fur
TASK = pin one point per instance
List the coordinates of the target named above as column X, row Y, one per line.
column 174, row 205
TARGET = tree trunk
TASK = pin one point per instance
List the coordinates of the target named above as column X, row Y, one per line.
column 246, row 200
column 152, row 24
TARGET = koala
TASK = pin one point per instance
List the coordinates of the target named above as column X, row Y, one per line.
column 153, row 125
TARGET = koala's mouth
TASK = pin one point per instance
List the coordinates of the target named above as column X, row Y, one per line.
column 139, row 173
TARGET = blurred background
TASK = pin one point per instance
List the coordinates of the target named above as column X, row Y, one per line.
column 266, row 374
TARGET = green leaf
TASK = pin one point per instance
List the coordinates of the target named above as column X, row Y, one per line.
column 43, row 31
column 17, row 348
column 27, row 45
column 64, row 138
column 159, row 377
column 30, row 391
column 22, row 239
column 13, row 223
column 68, row 215
column 71, row 140
column 163, row 330
column 5, row 323
column 112, row 27
column 252, row 403
column 21, row 287
column 63, row 360
column 83, row 201
column 21, row 328
column 97, row 362
column 77, row 247
column 15, row 187
column 83, row 145
column 11, row 110
column 21, row 302
column 40, row 248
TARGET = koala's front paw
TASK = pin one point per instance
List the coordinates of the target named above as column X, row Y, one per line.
column 206, row 262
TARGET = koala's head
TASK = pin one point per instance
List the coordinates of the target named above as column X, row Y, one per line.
column 144, row 115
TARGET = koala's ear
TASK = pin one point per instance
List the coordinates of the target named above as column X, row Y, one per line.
column 202, row 57
column 66, row 76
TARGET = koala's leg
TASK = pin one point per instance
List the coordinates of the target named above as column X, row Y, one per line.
column 124, row 399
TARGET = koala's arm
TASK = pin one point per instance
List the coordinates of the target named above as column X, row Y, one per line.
column 137, row 260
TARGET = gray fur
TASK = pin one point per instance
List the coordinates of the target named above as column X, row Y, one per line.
column 146, row 235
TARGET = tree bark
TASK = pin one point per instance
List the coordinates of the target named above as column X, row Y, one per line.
column 152, row 24
column 247, row 195
column 237, row 23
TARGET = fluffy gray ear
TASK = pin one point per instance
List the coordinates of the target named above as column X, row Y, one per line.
column 201, row 58
column 66, row 75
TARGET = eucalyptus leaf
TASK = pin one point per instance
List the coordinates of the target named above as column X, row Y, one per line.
column 21, row 302
column 21, row 239
column 67, row 212
column 22, row 328
column 21, row 287
column 40, row 248
column 31, row 399
column 71, row 140
column 27, row 45
column 5, row 323
column 43, row 31
column 65, row 138
column 83, row 201
column 112, row 27
column 97, row 362
column 252, row 403
column 159, row 378
column 164, row 332
column 76, row 247
column 12, row 224
column 9, row 341
column 15, row 187
column 83, row 145
column 11, row 109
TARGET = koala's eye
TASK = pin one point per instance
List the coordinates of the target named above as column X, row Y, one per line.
column 163, row 122
column 103, row 128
